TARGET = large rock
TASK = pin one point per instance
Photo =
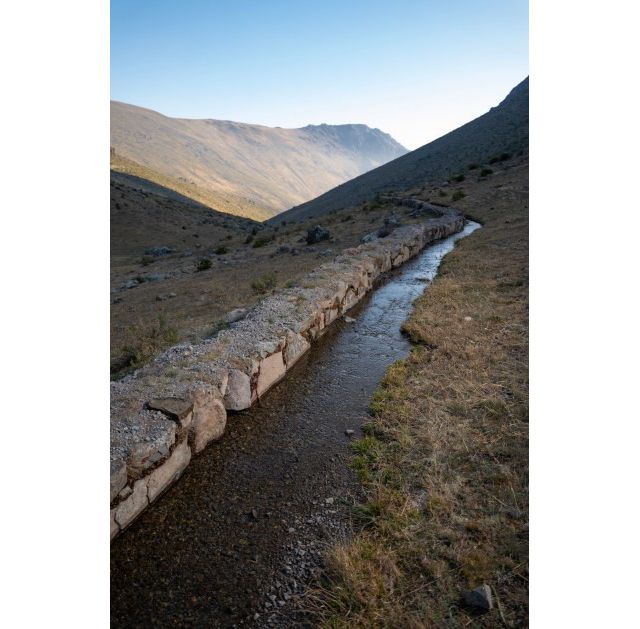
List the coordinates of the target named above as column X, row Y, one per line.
column 238, row 394
column 296, row 346
column 272, row 368
column 118, row 476
column 145, row 454
column 177, row 408
column 209, row 417
column 169, row 471
column 128, row 509
column 479, row 600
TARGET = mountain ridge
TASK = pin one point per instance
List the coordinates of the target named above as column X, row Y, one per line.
column 256, row 171
column 503, row 129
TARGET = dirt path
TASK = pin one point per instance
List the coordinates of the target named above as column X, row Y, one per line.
column 237, row 538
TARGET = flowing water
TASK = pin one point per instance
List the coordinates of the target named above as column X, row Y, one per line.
column 234, row 540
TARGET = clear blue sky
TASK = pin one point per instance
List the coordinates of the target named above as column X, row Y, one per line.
column 415, row 69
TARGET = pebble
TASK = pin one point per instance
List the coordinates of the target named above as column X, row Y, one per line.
column 349, row 319
column 349, row 432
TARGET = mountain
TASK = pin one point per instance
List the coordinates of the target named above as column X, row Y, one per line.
column 503, row 129
column 243, row 169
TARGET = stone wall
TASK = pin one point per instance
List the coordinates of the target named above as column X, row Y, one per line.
column 170, row 410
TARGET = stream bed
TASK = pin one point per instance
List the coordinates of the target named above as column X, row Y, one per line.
column 236, row 539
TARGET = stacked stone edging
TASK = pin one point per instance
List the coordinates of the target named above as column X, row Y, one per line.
column 172, row 409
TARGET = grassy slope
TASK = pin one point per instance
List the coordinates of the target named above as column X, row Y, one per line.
column 227, row 203
column 445, row 462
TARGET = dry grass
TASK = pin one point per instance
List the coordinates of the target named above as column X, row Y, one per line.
column 445, row 459
column 237, row 278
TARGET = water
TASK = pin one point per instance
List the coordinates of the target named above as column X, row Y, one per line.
column 207, row 554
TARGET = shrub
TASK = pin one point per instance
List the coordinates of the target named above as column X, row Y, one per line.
column 457, row 195
column 148, row 342
column 500, row 158
column 264, row 284
column 204, row 264
column 486, row 171
column 459, row 178
column 261, row 241
column 248, row 239
column 472, row 166
column 221, row 250
column 442, row 193
column 147, row 260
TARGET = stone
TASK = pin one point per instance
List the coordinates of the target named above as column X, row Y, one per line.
column 317, row 234
column 349, row 432
column 115, row 529
column 369, row 238
column 125, row 492
column 272, row 368
column 349, row 319
column 479, row 600
column 169, row 471
column 145, row 454
column 209, row 417
column 236, row 315
column 238, row 393
column 176, row 408
column 330, row 315
column 350, row 300
column 296, row 346
column 384, row 231
column 166, row 296
column 158, row 251
column 128, row 509
column 118, row 476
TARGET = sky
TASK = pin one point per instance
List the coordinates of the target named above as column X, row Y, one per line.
column 415, row 69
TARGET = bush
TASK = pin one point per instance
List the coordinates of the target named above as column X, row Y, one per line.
column 204, row 264
column 148, row 342
column 264, row 284
column 486, row 171
column 500, row 158
column 147, row 260
column 261, row 241
column 221, row 250
column 442, row 193
column 457, row 195
column 248, row 239
column 472, row 166
column 459, row 178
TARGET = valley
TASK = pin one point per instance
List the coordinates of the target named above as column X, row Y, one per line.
column 244, row 169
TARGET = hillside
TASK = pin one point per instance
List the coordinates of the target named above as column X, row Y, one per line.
column 244, row 169
column 503, row 129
